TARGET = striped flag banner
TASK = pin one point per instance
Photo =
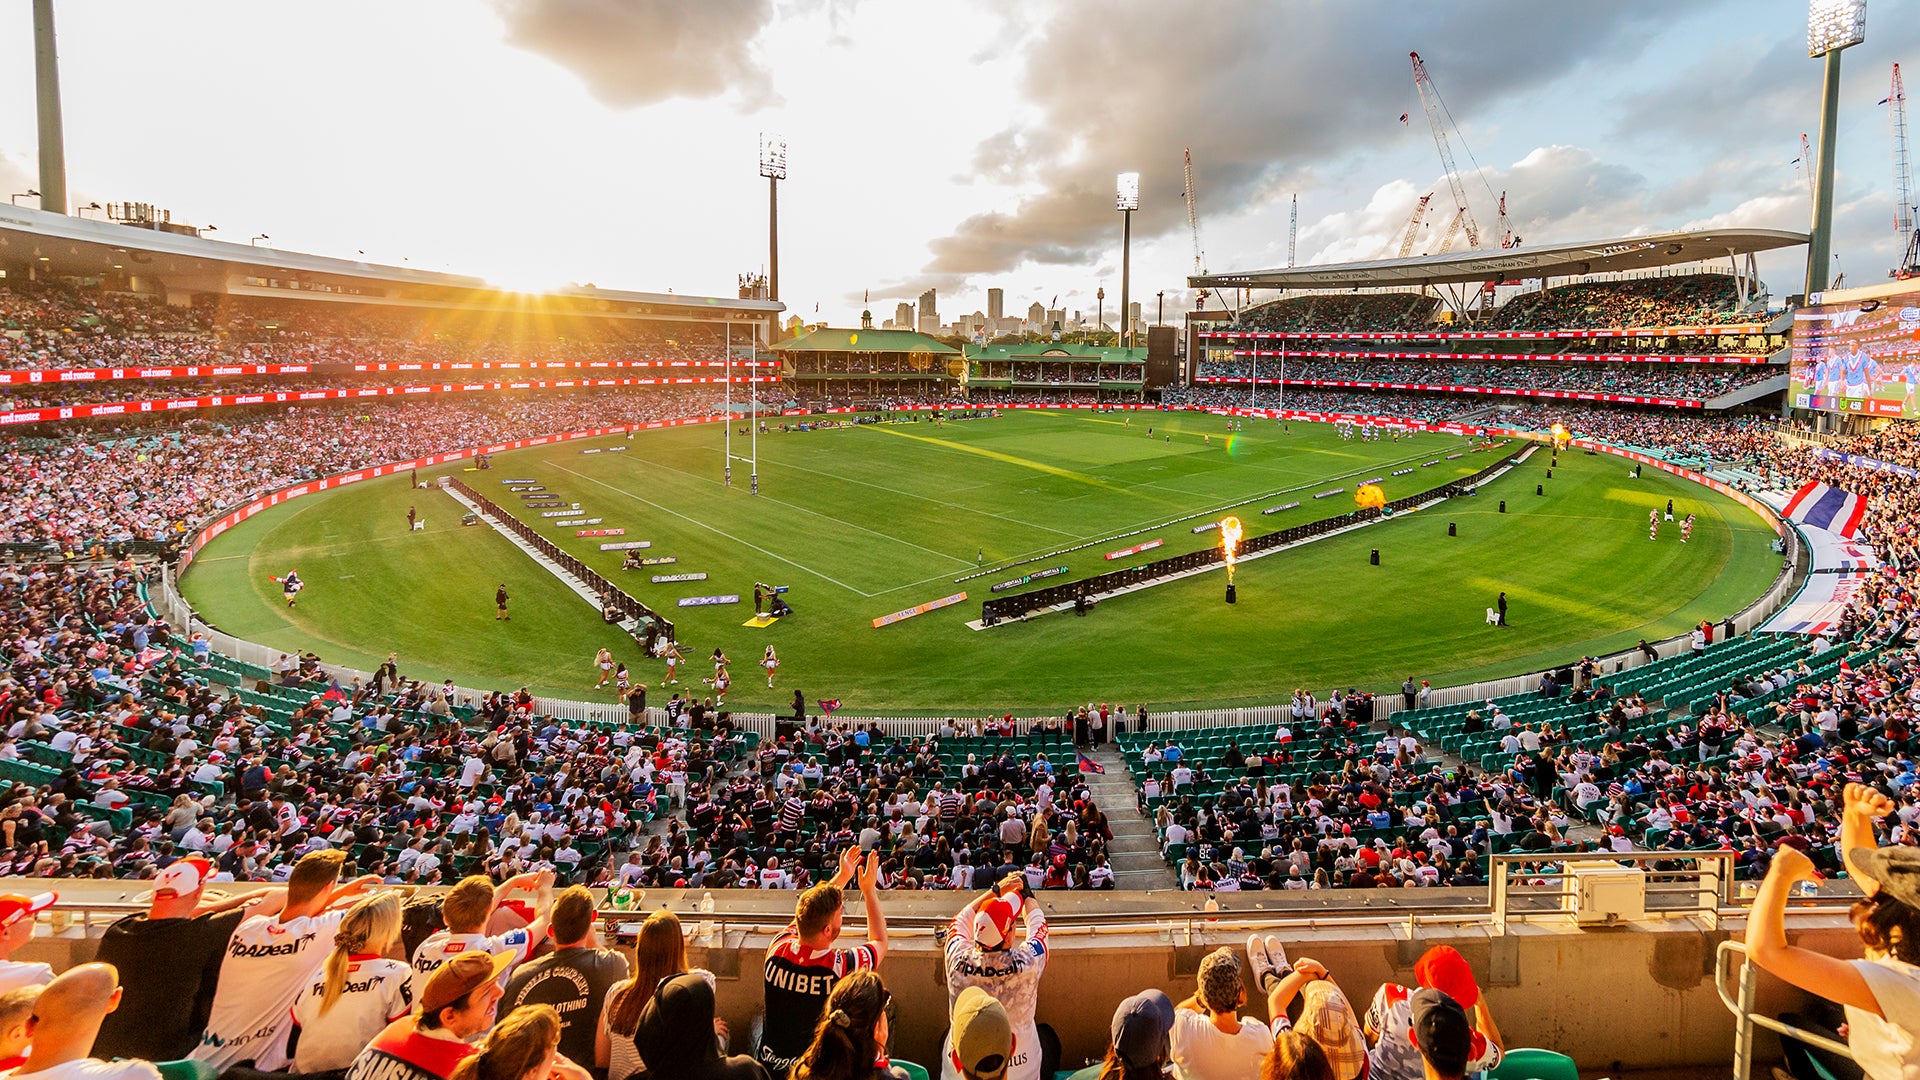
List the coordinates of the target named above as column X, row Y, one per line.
column 1818, row 506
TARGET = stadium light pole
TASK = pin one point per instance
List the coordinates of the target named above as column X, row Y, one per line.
column 773, row 166
column 1832, row 26
column 46, row 85
column 1126, row 199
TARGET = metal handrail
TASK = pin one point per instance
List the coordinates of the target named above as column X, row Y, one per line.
column 1740, row 1004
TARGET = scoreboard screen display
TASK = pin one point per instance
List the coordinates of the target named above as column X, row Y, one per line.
column 1861, row 357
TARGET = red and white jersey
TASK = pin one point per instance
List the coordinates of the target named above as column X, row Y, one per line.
column 266, row 964
column 443, row 946
column 377, row 992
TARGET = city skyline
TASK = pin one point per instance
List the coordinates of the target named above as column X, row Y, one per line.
column 613, row 141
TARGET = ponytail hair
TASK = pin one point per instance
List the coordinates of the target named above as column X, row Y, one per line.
column 844, row 1046
column 521, row 1040
column 369, row 926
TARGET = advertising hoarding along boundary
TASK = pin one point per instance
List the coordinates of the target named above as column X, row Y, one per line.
column 38, row 376
column 918, row 609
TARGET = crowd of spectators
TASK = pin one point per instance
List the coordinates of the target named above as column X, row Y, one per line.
column 1432, row 408
column 151, row 481
column 1662, row 381
column 1678, row 300
column 1705, row 299
column 53, row 327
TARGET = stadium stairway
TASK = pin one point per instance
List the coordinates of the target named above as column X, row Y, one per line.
column 1134, row 852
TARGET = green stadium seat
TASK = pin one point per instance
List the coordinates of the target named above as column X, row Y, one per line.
column 1530, row 1063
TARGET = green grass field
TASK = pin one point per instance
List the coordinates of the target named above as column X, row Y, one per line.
column 864, row 521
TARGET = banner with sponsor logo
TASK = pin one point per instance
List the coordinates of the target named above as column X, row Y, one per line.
column 918, row 609
column 1861, row 461
column 1134, row 550
column 657, row 560
column 600, row 532
column 574, row 509
column 1052, row 571
column 709, row 601
column 661, row 579
column 629, row 545
column 578, row 521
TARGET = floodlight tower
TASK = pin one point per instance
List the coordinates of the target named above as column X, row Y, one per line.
column 1832, row 26
column 53, row 146
column 1126, row 199
column 773, row 166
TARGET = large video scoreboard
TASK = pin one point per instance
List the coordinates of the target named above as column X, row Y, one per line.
column 1861, row 357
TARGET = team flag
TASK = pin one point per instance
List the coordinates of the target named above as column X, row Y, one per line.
column 1818, row 506
column 1087, row 764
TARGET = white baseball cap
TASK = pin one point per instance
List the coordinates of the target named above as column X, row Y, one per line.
column 182, row 877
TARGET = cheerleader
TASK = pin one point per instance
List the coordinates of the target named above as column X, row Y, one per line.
column 673, row 658
column 604, row 660
column 770, row 662
column 1653, row 524
column 622, row 680
column 1686, row 528
column 720, row 681
column 291, row 585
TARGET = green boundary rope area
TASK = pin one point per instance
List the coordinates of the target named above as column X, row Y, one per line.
column 860, row 521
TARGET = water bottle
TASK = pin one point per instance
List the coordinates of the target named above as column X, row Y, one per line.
column 1213, row 907
column 706, row 925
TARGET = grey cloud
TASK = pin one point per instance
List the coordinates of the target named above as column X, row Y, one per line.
column 639, row 52
column 1258, row 90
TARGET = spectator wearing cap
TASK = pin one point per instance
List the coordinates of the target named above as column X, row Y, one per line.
column 982, row 1036
column 458, row 1005
column 1211, row 1041
column 16, row 929
column 1881, row 992
column 982, row 951
column 1441, row 1033
column 1140, row 1043
column 65, row 1020
column 1390, row 1017
column 163, row 1008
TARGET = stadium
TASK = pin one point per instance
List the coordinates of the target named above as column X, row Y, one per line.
column 1493, row 660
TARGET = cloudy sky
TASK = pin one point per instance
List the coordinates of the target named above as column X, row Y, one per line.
column 940, row 143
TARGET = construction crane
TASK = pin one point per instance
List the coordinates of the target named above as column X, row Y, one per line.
column 1903, row 209
column 1293, row 229
column 1413, row 225
column 1502, row 227
column 1430, row 101
column 1460, row 217
column 1193, row 225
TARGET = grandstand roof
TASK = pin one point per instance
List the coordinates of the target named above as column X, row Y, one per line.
column 1546, row 261
column 1057, row 350
column 69, row 245
column 828, row 339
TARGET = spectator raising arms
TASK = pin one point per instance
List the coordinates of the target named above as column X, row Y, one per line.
column 269, row 960
column 981, row 952
column 802, row 964
column 1881, row 993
